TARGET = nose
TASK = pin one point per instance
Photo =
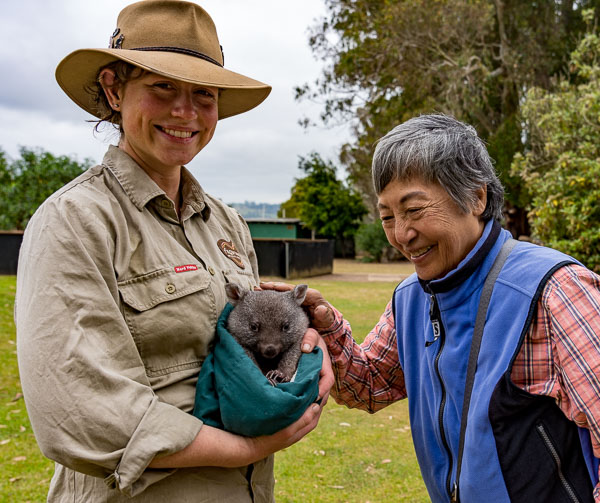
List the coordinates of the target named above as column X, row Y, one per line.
column 404, row 232
column 269, row 350
column 184, row 106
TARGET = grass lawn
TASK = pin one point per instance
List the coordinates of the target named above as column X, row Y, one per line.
column 25, row 473
column 351, row 457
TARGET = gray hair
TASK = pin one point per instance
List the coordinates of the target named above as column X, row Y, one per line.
column 439, row 149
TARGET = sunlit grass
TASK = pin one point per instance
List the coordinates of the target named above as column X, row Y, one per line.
column 351, row 457
column 25, row 473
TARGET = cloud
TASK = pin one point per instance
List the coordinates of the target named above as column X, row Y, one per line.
column 252, row 157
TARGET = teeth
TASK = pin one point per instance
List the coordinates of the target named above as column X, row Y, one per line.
column 420, row 252
column 178, row 134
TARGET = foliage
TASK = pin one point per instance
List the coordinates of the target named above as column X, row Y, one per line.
column 351, row 456
column 371, row 240
column 561, row 167
column 322, row 202
column 387, row 61
column 25, row 183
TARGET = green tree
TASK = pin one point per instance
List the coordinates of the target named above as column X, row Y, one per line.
column 27, row 181
column 322, row 202
column 371, row 240
column 561, row 167
column 387, row 61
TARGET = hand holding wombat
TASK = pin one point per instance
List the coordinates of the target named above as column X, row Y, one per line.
column 269, row 325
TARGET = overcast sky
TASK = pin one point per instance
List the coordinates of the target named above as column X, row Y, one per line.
column 252, row 157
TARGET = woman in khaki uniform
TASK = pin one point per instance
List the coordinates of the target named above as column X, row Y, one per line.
column 121, row 278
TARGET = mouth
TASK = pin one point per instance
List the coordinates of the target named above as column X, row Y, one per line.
column 417, row 254
column 177, row 133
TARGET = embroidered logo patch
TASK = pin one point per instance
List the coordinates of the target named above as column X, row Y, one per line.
column 228, row 249
column 185, row 268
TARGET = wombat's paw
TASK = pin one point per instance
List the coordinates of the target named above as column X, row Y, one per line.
column 276, row 376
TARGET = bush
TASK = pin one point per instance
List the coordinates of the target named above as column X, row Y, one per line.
column 25, row 183
column 561, row 168
column 370, row 239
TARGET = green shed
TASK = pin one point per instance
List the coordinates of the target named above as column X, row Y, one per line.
column 276, row 228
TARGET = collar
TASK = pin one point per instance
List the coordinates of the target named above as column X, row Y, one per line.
column 469, row 264
column 141, row 189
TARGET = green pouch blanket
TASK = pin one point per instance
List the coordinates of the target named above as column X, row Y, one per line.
column 232, row 393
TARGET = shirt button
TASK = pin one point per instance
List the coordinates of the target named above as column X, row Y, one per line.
column 211, row 271
column 165, row 203
column 170, row 288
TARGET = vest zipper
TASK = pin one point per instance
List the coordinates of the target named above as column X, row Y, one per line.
column 542, row 431
column 439, row 333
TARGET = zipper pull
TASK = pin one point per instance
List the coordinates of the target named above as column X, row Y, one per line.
column 454, row 496
column 435, row 321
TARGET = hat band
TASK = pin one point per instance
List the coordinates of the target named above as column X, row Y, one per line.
column 180, row 50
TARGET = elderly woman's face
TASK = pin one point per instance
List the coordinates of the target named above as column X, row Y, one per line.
column 166, row 121
column 422, row 221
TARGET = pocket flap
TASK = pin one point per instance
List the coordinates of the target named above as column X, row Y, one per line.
column 145, row 292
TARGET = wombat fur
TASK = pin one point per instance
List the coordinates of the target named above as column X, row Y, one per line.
column 269, row 326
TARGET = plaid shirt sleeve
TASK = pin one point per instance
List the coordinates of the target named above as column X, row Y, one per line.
column 368, row 376
column 560, row 356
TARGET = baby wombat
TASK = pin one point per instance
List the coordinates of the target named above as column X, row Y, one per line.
column 269, row 326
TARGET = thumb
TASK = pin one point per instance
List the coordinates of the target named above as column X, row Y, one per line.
column 322, row 316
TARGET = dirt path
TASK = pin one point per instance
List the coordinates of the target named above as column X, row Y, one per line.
column 361, row 277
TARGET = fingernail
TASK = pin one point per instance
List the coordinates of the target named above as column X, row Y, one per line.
column 306, row 348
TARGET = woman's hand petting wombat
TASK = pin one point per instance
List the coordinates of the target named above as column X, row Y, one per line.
column 321, row 317
column 319, row 310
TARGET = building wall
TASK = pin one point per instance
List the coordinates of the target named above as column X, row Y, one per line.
column 273, row 230
column 296, row 258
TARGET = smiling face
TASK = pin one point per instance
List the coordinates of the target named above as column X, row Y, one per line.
column 423, row 222
column 166, row 122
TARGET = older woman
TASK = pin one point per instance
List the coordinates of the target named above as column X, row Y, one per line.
column 500, row 360
column 122, row 274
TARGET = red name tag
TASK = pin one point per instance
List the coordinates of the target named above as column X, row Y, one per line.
column 185, row 268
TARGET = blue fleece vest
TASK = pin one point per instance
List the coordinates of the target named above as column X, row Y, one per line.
column 434, row 323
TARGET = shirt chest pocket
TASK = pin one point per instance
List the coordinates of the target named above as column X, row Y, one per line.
column 172, row 318
column 244, row 279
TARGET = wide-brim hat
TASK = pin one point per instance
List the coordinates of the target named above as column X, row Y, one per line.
column 174, row 38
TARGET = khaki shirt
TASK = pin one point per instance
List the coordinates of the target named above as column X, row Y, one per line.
column 117, row 303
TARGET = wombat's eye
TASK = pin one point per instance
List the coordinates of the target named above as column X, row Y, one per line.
column 254, row 326
column 285, row 327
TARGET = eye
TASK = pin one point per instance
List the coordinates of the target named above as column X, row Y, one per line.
column 162, row 86
column 285, row 326
column 205, row 92
column 254, row 326
column 387, row 220
column 413, row 212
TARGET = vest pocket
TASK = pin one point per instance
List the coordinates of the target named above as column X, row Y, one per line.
column 541, row 430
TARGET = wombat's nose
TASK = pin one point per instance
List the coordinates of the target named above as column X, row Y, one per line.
column 270, row 351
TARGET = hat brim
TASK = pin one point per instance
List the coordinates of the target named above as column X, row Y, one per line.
column 77, row 72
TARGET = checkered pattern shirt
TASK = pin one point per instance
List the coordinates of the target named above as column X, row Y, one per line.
column 560, row 356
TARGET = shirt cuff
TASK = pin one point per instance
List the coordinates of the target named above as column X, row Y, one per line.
column 163, row 430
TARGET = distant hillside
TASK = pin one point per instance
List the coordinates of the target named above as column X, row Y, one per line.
column 249, row 209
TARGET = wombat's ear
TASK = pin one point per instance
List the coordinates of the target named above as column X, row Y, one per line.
column 300, row 293
column 234, row 292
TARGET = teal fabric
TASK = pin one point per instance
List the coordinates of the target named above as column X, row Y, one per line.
column 232, row 393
